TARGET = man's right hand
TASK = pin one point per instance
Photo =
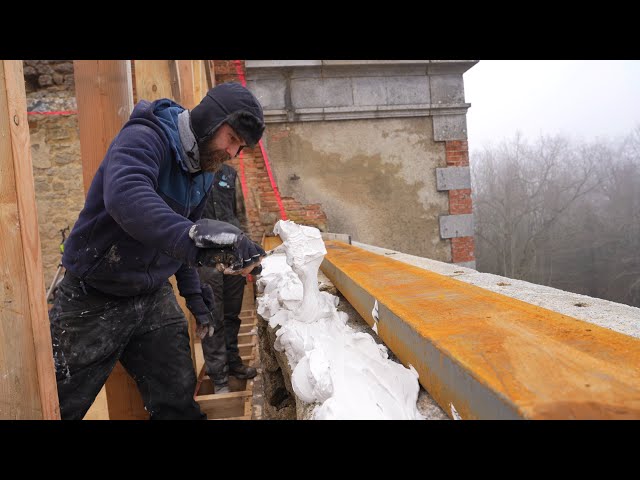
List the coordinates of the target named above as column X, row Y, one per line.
column 211, row 257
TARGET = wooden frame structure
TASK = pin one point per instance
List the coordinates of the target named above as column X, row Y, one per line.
column 105, row 98
column 27, row 375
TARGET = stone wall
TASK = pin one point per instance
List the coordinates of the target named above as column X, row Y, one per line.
column 55, row 153
column 380, row 144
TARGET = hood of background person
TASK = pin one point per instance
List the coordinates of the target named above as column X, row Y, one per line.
column 228, row 103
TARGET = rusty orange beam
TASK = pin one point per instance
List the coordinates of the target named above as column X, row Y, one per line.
column 486, row 355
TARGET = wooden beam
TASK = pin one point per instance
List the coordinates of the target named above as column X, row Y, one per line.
column 223, row 405
column 185, row 74
column 209, row 71
column 27, row 375
column 199, row 81
column 104, row 94
column 153, row 80
column 175, row 80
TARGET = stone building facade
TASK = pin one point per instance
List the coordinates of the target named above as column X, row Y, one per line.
column 376, row 149
column 380, row 144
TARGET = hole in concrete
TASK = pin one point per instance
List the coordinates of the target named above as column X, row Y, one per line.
column 581, row 304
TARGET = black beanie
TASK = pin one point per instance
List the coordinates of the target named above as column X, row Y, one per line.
column 228, row 103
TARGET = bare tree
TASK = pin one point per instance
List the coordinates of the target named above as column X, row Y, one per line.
column 562, row 214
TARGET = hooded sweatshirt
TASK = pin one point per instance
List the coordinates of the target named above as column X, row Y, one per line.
column 132, row 233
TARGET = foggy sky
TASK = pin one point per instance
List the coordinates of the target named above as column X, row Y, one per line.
column 583, row 99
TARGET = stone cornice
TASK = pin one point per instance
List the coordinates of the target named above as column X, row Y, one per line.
column 356, row 112
column 429, row 67
column 315, row 90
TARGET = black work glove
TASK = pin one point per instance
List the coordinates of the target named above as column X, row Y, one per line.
column 217, row 241
column 207, row 233
column 257, row 270
column 203, row 308
column 249, row 252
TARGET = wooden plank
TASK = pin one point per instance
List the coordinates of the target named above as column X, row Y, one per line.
column 104, row 94
column 209, row 70
column 27, row 374
column 199, row 81
column 246, row 328
column 185, row 75
column 153, row 79
column 99, row 409
column 199, row 355
column 191, row 321
column 248, row 402
column 105, row 100
column 245, row 417
column 246, row 349
column 245, row 337
column 123, row 399
column 489, row 355
column 175, row 80
column 231, row 408
column 220, row 398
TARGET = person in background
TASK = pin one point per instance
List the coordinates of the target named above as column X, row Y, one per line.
column 221, row 354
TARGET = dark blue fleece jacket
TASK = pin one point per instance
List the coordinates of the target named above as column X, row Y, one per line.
column 133, row 232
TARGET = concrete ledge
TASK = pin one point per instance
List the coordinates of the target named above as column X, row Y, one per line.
column 483, row 355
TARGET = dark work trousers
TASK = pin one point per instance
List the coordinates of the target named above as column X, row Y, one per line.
column 221, row 349
column 91, row 331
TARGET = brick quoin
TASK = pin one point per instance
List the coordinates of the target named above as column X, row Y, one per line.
column 462, row 249
column 460, row 201
column 457, row 155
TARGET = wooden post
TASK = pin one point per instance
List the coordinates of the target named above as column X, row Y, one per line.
column 210, row 73
column 185, row 74
column 27, row 375
column 154, row 79
column 105, row 101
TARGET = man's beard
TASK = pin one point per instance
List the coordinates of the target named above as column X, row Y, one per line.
column 211, row 159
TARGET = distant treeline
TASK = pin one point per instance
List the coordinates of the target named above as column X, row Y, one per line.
column 561, row 213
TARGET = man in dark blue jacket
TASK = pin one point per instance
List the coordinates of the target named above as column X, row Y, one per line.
column 141, row 224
